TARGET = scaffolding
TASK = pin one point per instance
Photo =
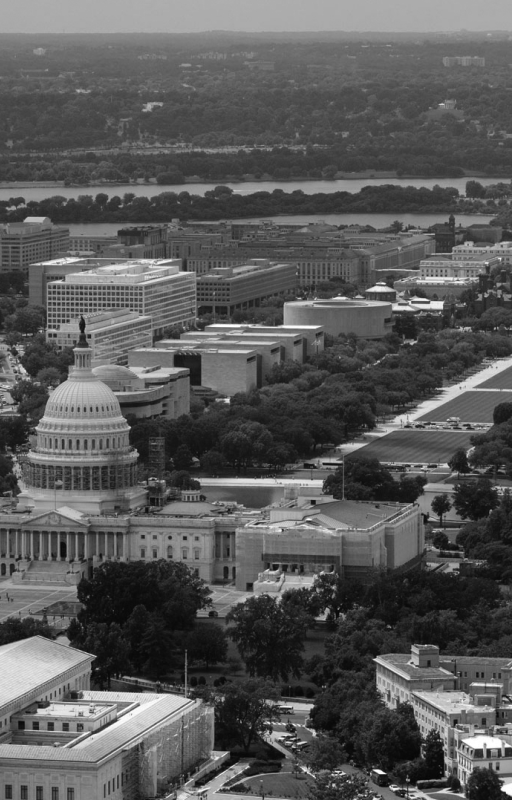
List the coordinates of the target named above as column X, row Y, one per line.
column 168, row 755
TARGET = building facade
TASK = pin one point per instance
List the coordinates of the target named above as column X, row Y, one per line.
column 342, row 315
column 111, row 334
column 35, row 239
column 158, row 290
column 61, row 741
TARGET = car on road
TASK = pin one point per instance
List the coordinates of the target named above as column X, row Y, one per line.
column 398, row 790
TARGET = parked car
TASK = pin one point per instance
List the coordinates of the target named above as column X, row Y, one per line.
column 397, row 790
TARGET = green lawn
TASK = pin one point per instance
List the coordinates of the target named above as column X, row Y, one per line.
column 502, row 380
column 413, row 446
column 471, row 406
column 279, row 784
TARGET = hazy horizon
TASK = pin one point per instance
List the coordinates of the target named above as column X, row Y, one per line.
column 250, row 16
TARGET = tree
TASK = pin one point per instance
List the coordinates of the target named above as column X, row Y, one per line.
column 336, row 594
column 484, row 784
column 117, row 587
column 475, row 500
column 326, row 753
column 337, row 787
column 440, row 540
column 269, row 636
column 208, row 643
column 433, row 754
column 111, row 649
column 502, row 413
column 459, row 462
column 441, row 505
column 391, row 735
column 245, row 711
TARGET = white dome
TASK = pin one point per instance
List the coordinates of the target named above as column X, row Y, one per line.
column 114, row 372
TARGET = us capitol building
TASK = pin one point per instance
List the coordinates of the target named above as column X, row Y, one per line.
column 82, row 504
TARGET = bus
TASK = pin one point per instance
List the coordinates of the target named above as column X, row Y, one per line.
column 379, row 777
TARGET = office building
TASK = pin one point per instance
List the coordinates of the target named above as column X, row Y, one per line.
column 34, row 239
column 225, row 289
column 111, row 334
column 146, row 392
column 62, row 741
column 157, row 289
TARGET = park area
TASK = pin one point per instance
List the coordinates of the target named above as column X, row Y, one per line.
column 413, row 446
column 471, row 406
column 502, row 380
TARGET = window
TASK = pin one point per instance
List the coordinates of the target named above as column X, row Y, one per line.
column 55, row 793
column 155, row 536
column 65, row 726
column 155, row 553
column 21, row 724
column 197, row 554
column 185, row 538
column 24, row 792
column 143, row 536
column 51, row 726
column 184, row 553
column 35, row 725
column 143, row 552
column 8, row 791
column 70, row 793
column 80, row 727
column 39, row 793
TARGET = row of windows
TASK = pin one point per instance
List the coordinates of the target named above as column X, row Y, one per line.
column 170, row 553
column 184, row 537
column 81, row 444
column 50, row 726
column 70, row 792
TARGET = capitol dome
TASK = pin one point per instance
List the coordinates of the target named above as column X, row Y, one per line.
column 83, row 449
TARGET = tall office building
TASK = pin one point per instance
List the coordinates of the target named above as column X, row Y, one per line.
column 152, row 288
column 34, row 239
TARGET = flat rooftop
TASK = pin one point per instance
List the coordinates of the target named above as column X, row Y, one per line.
column 452, row 702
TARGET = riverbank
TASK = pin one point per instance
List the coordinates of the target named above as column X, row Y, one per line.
column 373, row 176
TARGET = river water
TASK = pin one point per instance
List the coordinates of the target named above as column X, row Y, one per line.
column 40, row 192
column 376, row 220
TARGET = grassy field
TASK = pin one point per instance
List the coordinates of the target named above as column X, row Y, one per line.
column 411, row 446
column 282, row 784
column 502, row 380
column 472, row 406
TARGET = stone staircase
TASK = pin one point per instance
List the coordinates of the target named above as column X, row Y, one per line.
column 56, row 573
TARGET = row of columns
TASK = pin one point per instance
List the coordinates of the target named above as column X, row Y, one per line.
column 62, row 546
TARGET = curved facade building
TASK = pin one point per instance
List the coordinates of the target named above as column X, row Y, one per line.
column 342, row 315
column 83, row 452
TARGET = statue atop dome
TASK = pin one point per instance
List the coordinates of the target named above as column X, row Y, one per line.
column 82, row 341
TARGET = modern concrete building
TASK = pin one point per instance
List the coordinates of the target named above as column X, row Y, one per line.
column 226, row 289
column 111, row 334
column 230, row 358
column 148, row 391
column 342, row 315
column 155, row 289
column 61, row 741
column 34, row 239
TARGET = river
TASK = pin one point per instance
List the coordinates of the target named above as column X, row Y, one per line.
column 376, row 220
column 40, row 192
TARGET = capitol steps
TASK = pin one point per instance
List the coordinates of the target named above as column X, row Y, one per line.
column 56, row 573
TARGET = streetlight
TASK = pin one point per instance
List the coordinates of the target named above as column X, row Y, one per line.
column 407, row 782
